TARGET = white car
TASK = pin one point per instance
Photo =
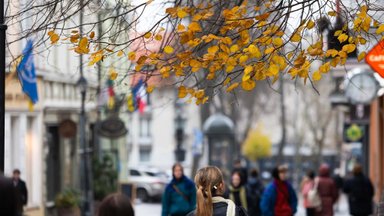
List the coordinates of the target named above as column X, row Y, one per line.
column 150, row 184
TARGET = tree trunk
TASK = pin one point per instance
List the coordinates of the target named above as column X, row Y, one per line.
column 283, row 122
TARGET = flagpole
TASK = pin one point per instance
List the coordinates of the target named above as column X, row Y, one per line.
column 3, row 29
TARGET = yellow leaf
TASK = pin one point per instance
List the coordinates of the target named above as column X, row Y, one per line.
column 148, row 35
column 132, row 56
column 92, row 35
column 343, row 54
column 248, row 69
column 112, row 74
column 331, row 52
column 325, row 68
column 296, row 38
column 361, row 56
column 226, row 81
column 349, row 48
column 269, row 50
column 332, row 13
column 142, row 59
column 180, row 28
column 213, row 49
column 243, row 59
column 168, row 49
column 181, row 13
column 120, row 53
column 248, row 85
column 194, row 27
column 182, row 92
column 273, row 69
column 234, row 48
column 338, row 32
column 255, row 52
column 362, row 40
column 316, row 76
column 233, row 86
column 380, row 29
column 50, row 33
column 150, row 89
column 197, row 17
column 158, row 37
column 54, row 38
column 194, row 63
column 278, row 42
column 342, row 38
column 246, row 77
column 310, row 24
column 229, row 68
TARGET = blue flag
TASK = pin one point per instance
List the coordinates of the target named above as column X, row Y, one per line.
column 26, row 73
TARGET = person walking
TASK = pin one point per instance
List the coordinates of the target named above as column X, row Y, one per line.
column 360, row 193
column 237, row 191
column 116, row 205
column 238, row 167
column 327, row 191
column 279, row 198
column 255, row 190
column 21, row 191
column 179, row 197
column 308, row 185
column 8, row 204
column 210, row 202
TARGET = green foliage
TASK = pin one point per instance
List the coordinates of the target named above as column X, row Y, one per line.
column 256, row 145
column 105, row 177
column 69, row 198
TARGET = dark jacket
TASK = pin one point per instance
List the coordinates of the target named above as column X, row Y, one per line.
column 7, row 197
column 220, row 209
column 328, row 192
column 174, row 203
column 268, row 200
column 255, row 189
column 22, row 193
column 360, row 193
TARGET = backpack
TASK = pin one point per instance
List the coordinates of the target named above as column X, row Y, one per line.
column 314, row 200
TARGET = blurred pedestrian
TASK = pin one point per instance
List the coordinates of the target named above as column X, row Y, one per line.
column 8, row 203
column 179, row 196
column 210, row 202
column 237, row 190
column 308, row 185
column 360, row 193
column 238, row 167
column 21, row 191
column 327, row 191
column 255, row 190
column 279, row 198
column 116, row 205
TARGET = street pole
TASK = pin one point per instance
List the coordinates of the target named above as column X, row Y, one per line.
column 3, row 29
column 87, row 193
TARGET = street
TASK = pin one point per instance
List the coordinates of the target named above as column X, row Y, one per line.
column 154, row 209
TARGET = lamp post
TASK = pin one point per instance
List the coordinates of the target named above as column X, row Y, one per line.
column 3, row 29
column 179, row 129
column 85, row 169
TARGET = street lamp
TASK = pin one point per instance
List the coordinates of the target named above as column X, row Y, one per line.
column 82, row 84
column 179, row 132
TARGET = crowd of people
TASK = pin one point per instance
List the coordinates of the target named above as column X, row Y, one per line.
column 245, row 195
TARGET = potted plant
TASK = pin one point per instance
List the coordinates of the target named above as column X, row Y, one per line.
column 67, row 203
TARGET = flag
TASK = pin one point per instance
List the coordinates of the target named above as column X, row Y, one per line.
column 26, row 73
column 140, row 95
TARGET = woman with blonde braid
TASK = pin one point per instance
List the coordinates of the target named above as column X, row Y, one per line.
column 210, row 189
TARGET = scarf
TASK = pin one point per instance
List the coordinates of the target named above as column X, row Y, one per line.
column 242, row 195
column 231, row 209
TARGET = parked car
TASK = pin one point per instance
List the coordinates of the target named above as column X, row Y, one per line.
column 150, row 184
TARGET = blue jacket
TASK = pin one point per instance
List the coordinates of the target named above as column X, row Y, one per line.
column 267, row 204
column 174, row 203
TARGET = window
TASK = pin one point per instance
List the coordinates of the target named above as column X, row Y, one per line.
column 145, row 154
column 145, row 127
column 134, row 173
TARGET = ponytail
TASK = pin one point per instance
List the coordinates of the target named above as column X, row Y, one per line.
column 204, row 202
column 206, row 181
